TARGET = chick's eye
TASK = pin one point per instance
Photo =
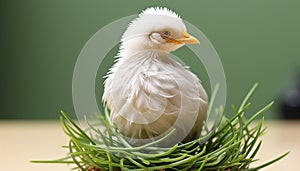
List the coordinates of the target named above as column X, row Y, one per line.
column 166, row 33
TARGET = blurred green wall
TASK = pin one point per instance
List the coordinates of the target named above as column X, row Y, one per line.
column 257, row 40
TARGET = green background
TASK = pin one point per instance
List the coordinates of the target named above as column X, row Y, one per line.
column 257, row 40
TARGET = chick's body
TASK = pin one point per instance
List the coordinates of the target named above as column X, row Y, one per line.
column 149, row 93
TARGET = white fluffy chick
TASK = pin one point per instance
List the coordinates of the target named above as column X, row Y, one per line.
column 149, row 93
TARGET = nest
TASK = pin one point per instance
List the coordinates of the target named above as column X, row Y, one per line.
column 232, row 146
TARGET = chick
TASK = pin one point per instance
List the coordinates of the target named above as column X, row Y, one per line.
column 149, row 93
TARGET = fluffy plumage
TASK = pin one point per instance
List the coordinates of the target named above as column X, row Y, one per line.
column 149, row 93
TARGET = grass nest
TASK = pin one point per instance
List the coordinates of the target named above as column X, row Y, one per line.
column 232, row 146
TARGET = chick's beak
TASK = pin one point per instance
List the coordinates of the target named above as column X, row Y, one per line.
column 186, row 39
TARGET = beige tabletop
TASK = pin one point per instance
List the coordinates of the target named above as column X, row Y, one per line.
column 22, row 141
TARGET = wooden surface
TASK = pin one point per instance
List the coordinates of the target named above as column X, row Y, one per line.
column 22, row 141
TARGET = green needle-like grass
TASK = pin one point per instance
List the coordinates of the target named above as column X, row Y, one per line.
column 232, row 146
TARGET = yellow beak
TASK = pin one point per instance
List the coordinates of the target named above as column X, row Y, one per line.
column 186, row 39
